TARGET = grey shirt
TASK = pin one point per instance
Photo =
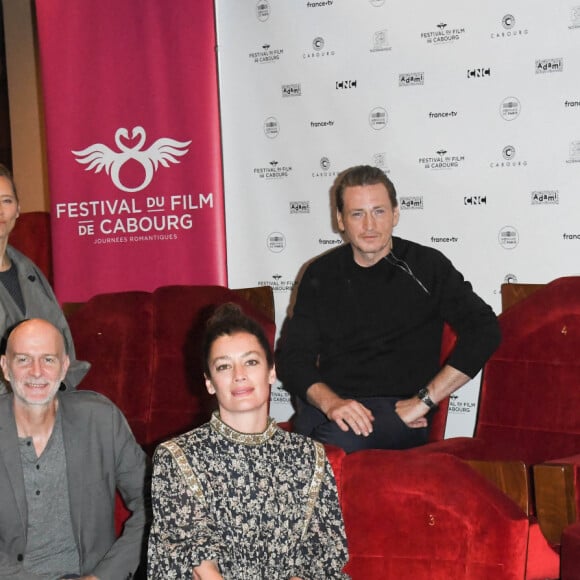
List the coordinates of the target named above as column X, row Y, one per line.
column 51, row 550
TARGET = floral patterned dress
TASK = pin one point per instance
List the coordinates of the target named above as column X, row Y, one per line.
column 263, row 506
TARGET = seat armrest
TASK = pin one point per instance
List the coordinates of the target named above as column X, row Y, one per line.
column 557, row 495
column 511, row 477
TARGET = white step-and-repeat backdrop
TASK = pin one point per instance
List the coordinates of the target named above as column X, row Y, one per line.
column 472, row 109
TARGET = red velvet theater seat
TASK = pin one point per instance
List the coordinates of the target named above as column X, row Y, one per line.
column 145, row 353
column 529, row 409
column 428, row 517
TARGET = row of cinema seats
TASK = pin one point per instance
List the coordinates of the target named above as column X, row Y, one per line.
column 503, row 504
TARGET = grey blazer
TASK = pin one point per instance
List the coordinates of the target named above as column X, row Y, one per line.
column 102, row 455
column 40, row 302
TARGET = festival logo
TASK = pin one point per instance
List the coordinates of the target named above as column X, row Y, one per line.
column 278, row 283
column 442, row 160
column 130, row 149
column 267, row 55
column 274, row 170
column 443, row 35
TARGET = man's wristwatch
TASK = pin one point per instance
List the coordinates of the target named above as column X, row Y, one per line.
column 423, row 395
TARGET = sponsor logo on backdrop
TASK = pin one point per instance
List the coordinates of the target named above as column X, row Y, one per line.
column 378, row 118
column 574, row 17
column 271, row 128
column 411, row 202
column 443, row 34
column 299, row 207
column 380, row 160
column 292, row 90
column 376, row 3
column 545, row 197
column 478, row 73
column 318, row 49
column 131, row 169
column 510, row 108
column 475, row 200
column 320, row 4
column 317, row 124
column 571, row 236
column 510, row 279
column 325, row 169
column 508, row 237
column 276, row 242
column 444, row 239
column 574, row 152
column 263, row 10
column 572, row 104
column 266, row 55
column 278, row 395
column 278, row 283
column 345, row 85
column 549, row 65
column 130, row 149
column 380, row 41
column 508, row 23
column 442, row 114
column 330, row 241
column 273, row 171
column 409, row 79
column 442, row 160
column 510, row 159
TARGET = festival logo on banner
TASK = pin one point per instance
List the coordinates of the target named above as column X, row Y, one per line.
column 317, row 50
column 442, row 160
column 443, row 34
column 273, row 171
column 132, row 168
column 325, row 169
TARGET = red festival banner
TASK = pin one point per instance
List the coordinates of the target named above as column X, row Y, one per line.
column 134, row 157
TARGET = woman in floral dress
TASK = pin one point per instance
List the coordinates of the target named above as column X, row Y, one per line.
column 239, row 498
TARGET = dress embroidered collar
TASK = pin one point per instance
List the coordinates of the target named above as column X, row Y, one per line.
column 244, row 438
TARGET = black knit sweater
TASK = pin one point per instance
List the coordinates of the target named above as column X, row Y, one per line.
column 377, row 331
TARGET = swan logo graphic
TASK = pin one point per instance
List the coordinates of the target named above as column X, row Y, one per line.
column 164, row 151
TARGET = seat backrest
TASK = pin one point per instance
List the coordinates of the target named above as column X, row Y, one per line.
column 530, row 396
column 31, row 236
column 145, row 352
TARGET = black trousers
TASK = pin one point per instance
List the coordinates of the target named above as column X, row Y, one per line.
column 389, row 431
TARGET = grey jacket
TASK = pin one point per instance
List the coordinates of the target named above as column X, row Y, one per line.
column 40, row 302
column 102, row 456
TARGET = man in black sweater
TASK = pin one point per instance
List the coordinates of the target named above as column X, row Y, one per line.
column 361, row 350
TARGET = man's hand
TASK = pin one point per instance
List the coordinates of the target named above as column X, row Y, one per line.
column 346, row 413
column 412, row 412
